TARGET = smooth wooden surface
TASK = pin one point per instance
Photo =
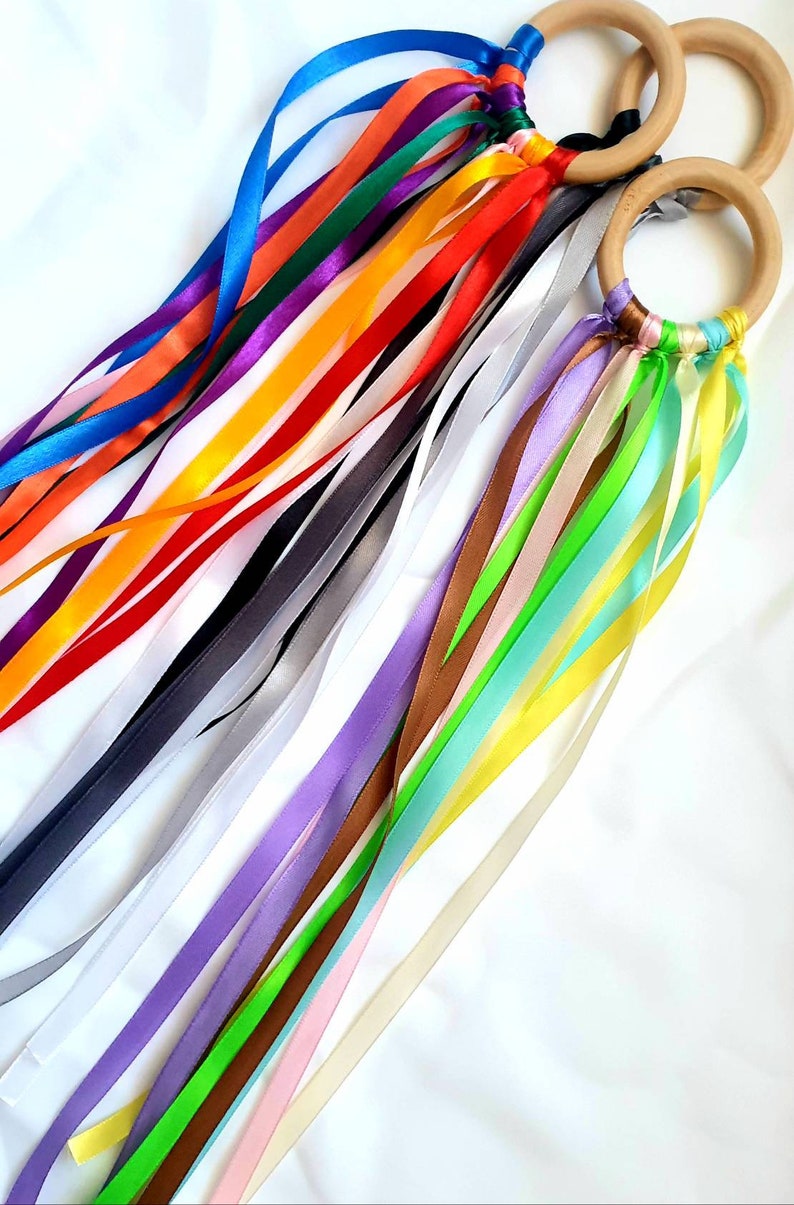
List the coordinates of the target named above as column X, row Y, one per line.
column 730, row 183
column 755, row 55
column 668, row 60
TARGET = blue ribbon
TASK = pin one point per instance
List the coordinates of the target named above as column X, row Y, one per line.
column 237, row 240
column 364, row 104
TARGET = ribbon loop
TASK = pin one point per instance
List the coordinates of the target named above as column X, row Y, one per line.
column 668, row 342
column 533, row 148
column 730, row 326
column 616, row 301
column 690, row 340
column 523, row 48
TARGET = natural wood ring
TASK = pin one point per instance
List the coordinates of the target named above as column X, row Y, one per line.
column 591, row 167
column 731, row 40
column 728, row 182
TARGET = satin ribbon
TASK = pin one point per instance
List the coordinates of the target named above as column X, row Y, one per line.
column 290, row 600
column 147, row 1147
column 365, row 711
column 79, row 478
column 397, row 656
column 165, row 557
column 531, row 44
column 79, row 563
column 195, row 285
column 554, row 303
column 88, row 597
column 572, row 202
column 94, row 536
column 51, row 491
column 346, row 510
column 152, row 666
column 305, row 259
column 226, row 1189
column 581, row 453
column 239, row 236
column 66, row 580
column 397, row 990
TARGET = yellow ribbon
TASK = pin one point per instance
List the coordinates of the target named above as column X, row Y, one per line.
column 105, row 1134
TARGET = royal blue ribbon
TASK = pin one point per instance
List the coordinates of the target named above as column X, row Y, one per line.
column 237, row 240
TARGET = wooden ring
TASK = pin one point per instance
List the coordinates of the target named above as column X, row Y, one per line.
column 591, row 167
column 728, row 182
column 731, row 40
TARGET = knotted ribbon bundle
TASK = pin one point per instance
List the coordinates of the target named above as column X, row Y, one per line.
column 64, row 614
column 716, row 398
column 652, row 457
column 699, row 379
column 139, row 749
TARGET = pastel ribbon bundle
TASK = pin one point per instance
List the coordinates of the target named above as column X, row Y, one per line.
column 551, row 510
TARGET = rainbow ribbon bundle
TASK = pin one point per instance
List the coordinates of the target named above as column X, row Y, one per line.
column 393, row 492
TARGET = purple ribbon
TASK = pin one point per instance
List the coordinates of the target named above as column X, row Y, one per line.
column 505, row 97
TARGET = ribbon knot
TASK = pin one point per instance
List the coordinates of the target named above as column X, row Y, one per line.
column 690, row 340
column 616, row 301
column 651, row 335
column 506, row 101
column 730, row 326
column 523, row 48
column 668, row 342
column 532, row 147
column 506, row 87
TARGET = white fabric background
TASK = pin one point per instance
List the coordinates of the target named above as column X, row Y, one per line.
column 614, row 1025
